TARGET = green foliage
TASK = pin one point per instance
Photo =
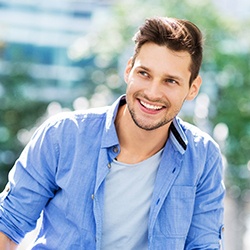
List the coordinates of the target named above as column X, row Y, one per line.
column 16, row 112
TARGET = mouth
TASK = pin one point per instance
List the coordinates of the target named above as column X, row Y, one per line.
column 150, row 106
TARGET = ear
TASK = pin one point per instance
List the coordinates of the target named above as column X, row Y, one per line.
column 127, row 70
column 194, row 89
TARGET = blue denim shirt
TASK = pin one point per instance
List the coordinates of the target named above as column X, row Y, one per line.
column 62, row 172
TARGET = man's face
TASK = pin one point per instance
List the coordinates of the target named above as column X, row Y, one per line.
column 158, row 85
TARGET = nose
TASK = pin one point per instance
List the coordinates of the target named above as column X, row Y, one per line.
column 154, row 90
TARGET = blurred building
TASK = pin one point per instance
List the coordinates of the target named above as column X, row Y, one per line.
column 46, row 37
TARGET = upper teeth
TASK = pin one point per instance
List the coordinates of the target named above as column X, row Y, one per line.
column 149, row 106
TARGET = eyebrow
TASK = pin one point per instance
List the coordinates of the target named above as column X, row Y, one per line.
column 165, row 74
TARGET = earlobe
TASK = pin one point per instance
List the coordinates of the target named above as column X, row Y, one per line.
column 127, row 70
column 194, row 89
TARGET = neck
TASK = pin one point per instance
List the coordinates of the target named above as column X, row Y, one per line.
column 137, row 144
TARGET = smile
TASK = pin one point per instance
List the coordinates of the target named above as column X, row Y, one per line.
column 149, row 106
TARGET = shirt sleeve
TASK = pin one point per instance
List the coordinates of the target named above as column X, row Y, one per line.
column 31, row 184
column 207, row 223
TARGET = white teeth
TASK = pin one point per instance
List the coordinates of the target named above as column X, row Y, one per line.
column 149, row 106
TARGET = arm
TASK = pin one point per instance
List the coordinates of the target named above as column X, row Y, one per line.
column 31, row 181
column 6, row 243
column 207, row 222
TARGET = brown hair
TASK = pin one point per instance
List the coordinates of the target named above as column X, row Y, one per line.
column 176, row 34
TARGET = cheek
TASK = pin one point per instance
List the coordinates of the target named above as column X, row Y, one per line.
column 131, row 84
column 176, row 98
column 130, row 89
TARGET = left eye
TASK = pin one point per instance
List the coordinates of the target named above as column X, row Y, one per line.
column 172, row 81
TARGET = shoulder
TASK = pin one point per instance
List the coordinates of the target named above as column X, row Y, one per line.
column 203, row 153
column 198, row 138
column 76, row 117
column 73, row 123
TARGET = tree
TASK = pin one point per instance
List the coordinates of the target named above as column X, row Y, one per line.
column 16, row 113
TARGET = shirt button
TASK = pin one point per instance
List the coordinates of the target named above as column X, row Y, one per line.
column 92, row 196
column 109, row 165
column 7, row 188
column 115, row 149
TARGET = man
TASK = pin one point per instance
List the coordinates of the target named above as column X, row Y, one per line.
column 129, row 176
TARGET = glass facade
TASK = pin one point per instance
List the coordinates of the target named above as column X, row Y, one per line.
column 43, row 37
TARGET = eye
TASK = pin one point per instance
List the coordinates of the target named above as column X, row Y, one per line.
column 143, row 73
column 171, row 81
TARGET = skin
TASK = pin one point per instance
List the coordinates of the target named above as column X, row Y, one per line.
column 157, row 87
column 6, row 243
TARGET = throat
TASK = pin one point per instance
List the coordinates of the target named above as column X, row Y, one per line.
column 137, row 144
column 136, row 155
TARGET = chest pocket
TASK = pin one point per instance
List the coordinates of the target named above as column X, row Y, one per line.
column 176, row 213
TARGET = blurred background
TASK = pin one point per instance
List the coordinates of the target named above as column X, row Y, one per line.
column 67, row 55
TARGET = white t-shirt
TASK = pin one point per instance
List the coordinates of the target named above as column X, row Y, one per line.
column 128, row 192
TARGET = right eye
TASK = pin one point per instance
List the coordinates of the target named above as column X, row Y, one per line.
column 143, row 73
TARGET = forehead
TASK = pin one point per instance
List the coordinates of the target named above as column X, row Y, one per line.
column 163, row 59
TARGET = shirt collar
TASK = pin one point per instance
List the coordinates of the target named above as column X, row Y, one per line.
column 178, row 136
column 110, row 138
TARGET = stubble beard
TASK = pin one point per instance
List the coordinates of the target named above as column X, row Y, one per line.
column 152, row 126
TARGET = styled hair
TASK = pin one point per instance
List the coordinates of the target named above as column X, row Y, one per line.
column 176, row 35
